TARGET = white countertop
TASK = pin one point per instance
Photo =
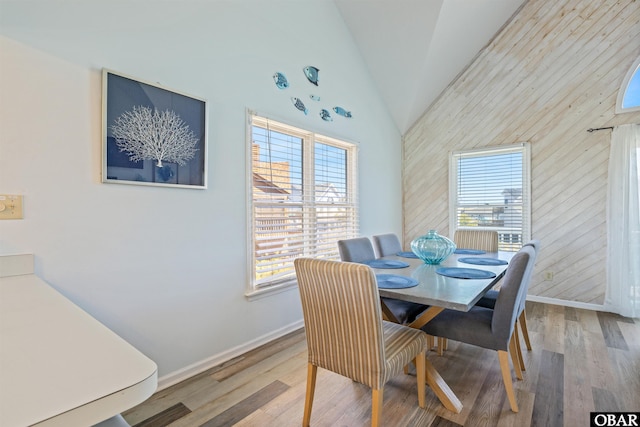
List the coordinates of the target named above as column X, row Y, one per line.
column 58, row 365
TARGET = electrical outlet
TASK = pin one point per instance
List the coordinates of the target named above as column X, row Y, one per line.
column 548, row 275
column 10, row 206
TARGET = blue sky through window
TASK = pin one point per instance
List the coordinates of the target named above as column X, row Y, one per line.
column 632, row 93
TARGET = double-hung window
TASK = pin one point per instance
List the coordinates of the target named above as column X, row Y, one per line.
column 490, row 190
column 303, row 199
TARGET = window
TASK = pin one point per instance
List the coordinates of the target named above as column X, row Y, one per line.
column 490, row 190
column 629, row 95
column 303, row 199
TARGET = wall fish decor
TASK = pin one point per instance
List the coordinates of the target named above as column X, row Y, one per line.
column 342, row 112
column 300, row 105
column 325, row 115
column 312, row 74
column 281, row 80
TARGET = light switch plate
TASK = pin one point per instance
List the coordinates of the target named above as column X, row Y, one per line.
column 10, row 206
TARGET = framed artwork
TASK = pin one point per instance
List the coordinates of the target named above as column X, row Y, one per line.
column 152, row 135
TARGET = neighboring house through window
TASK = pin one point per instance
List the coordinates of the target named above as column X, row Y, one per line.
column 303, row 199
column 490, row 190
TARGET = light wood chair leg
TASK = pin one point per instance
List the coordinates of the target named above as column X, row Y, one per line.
column 440, row 346
column 506, row 377
column 514, row 357
column 312, row 370
column 430, row 342
column 420, row 376
column 525, row 330
column 376, row 406
column 516, row 337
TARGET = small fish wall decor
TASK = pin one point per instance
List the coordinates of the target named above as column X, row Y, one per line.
column 342, row 112
column 325, row 115
column 300, row 105
column 314, row 97
column 312, row 74
column 281, row 80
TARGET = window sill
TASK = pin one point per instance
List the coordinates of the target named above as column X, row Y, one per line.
column 259, row 293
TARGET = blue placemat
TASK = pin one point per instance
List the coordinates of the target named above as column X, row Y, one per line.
column 408, row 254
column 469, row 252
column 483, row 261
column 386, row 263
column 465, row 273
column 394, row 281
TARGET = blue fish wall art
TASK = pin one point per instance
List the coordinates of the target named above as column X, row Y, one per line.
column 325, row 115
column 342, row 112
column 281, row 80
column 300, row 105
column 312, row 74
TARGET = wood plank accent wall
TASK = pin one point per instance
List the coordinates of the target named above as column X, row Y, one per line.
column 552, row 72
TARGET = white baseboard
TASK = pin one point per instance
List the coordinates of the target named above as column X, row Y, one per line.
column 566, row 303
column 201, row 366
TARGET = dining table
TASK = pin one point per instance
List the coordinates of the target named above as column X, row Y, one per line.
column 433, row 286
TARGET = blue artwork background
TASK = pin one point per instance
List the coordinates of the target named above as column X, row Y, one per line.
column 123, row 94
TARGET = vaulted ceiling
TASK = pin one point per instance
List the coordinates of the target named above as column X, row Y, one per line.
column 415, row 48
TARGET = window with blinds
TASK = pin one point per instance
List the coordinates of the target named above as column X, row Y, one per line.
column 303, row 198
column 490, row 189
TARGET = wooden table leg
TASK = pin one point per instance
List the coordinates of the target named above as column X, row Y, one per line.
column 446, row 396
column 442, row 390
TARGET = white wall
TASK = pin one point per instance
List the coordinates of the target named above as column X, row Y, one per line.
column 166, row 268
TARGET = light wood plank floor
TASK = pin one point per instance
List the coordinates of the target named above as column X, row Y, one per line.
column 581, row 361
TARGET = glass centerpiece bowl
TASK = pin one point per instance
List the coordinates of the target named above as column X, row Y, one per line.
column 432, row 248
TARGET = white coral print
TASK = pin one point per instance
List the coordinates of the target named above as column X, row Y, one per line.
column 154, row 135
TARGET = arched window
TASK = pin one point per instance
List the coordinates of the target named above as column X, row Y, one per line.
column 629, row 95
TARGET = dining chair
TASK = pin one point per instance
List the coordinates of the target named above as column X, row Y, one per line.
column 347, row 335
column 360, row 250
column 485, row 240
column 492, row 329
column 489, row 301
column 387, row 244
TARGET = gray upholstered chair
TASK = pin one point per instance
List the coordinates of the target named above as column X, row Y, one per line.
column 489, row 301
column 387, row 244
column 360, row 250
column 485, row 240
column 346, row 333
column 492, row 329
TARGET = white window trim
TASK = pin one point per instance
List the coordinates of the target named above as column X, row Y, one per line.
column 623, row 89
column 253, row 292
column 525, row 148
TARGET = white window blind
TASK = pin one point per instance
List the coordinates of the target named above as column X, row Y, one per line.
column 303, row 198
column 490, row 189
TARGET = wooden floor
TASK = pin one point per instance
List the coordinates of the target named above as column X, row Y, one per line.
column 581, row 361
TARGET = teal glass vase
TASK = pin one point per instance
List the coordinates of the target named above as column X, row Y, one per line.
column 432, row 248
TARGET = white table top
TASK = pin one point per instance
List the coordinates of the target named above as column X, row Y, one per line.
column 58, row 365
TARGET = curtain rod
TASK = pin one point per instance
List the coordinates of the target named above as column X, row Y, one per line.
column 593, row 130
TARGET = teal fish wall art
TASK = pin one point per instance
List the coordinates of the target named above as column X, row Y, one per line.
column 312, row 74
column 325, row 115
column 300, row 105
column 342, row 112
column 281, row 80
